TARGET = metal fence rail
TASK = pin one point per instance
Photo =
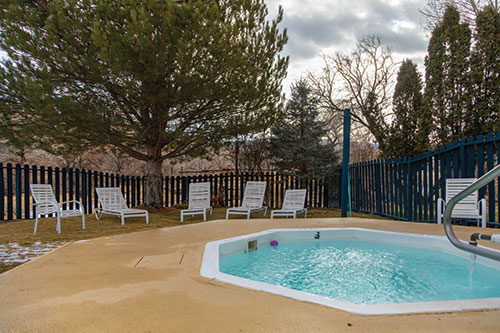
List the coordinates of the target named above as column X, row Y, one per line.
column 68, row 184
column 408, row 188
column 75, row 184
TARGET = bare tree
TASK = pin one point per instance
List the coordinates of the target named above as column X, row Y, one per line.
column 362, row 151
column 325, row 86
column 248, row 153
column 434, row 11
column 112, row 160
column 363, row 81
column 255, row 154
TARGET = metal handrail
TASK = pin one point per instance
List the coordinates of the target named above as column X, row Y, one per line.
column 483, row 181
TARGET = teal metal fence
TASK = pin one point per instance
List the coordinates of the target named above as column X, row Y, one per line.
column 79, row 184
column 408, row 188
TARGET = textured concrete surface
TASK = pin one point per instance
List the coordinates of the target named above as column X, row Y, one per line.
column 149, row 281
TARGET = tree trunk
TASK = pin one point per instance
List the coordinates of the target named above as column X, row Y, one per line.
column 152, row 185
column 236, row 158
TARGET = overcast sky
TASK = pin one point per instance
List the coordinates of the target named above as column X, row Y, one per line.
column 318, row 27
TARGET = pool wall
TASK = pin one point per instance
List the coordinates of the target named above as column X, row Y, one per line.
column 218, row 249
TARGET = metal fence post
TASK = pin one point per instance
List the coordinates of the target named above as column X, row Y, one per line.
column 345, row 163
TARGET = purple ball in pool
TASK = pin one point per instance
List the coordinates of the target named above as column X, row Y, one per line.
column 274, row 243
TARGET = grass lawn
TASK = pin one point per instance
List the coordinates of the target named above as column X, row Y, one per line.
column 21, row 231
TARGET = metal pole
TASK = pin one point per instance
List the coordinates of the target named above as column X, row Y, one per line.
column 345, row 163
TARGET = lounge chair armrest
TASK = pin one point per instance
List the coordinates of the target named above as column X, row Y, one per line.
column 481, row 206
column 70, row 201
column 78, row 202
column 441, row 204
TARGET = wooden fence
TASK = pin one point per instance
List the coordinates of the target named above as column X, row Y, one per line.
column 76, row 184
column 408, row 188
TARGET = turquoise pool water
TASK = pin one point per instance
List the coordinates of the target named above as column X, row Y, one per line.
column 362, row 272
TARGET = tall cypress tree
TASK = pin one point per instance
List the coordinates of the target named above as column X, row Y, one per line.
column 409, row 131
column 434, row 76
column 486, row 74
column 448, row 84
column 298, row 143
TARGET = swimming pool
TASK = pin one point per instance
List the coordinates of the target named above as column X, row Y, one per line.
column 358, row 270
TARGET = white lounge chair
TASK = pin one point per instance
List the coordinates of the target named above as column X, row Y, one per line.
column 111, row 202
column 253, row 199
column 293, row 204
column 46, row 203
column 468, row 207
column 199, row 200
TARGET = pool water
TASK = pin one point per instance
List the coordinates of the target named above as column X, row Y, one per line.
column 363, row 272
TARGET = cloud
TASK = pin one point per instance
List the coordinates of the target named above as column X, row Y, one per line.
column 308, row 36
column 328, row 26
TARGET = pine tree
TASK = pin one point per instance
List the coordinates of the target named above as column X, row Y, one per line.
column 298, row 143
column 448, row 85
column 486, row 74
column 155, row 79
column 409, row 131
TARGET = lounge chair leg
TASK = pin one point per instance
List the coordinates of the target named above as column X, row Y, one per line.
column 227, row 214
column 147, row 218
column 36, row 223
column 440, row 209
column 204, row 215
column 98, row 214
column 182, row 217
column 123, row 219
column 58, row 227
column 83, row 221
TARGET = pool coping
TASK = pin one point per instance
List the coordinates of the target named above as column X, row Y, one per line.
column 210, row 269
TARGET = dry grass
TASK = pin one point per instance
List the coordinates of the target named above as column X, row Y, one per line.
column 21, row 231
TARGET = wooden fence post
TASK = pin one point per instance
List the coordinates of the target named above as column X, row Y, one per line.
column 84, row 190
column 19, row 200
column 70, row 186
column 64, row 180
column 2, row 194
column 10, row 212
column 27, row 192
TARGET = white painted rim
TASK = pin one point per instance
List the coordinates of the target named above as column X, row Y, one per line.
column 210, row 269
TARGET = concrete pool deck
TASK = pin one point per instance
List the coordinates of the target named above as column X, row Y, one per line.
column 150, row 281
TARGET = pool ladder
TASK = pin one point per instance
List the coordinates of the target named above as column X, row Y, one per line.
column 472, row 246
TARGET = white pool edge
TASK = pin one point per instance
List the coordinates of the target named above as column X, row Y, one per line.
column 210, row 269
